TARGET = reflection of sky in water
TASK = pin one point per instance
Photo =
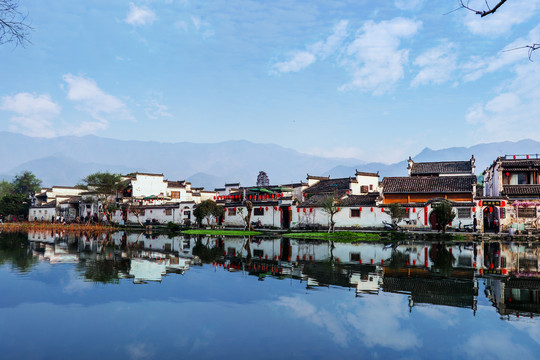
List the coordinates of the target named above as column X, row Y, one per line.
column 52, row 312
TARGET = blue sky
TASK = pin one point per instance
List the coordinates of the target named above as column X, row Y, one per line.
column 373, row 80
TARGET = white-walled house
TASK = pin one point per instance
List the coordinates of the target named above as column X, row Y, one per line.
column 511, row 196
column 59, row 201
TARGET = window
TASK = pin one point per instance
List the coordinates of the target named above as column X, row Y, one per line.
column 524, row 212
column 406, row 213
column 40, row 211
column 187, row 213
column 175, row 194
column 35, row 212
column 232, row 212
column 258, row 211
column 355, row 256
column 518, row 179
column 45, row 211
column 464, row 213
column 371, row 187
column 258, row 253
column 364, row 189
column 168, row 211
column 355, row 212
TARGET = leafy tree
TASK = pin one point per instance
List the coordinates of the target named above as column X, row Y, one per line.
column 443, row 214
column 14, row 204
column 206, row 210
column 26, row 183
column 396, row 213
column 13, row 26
column 330, row 206
column 104, row 186
column 6, row 188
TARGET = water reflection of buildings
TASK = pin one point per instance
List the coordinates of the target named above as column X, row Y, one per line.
column 429, row 273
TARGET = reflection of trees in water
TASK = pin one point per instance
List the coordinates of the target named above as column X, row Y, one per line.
column 15, row 250
column 103, row 271
column 397, row 259
column 206, row 253
column 442, row 259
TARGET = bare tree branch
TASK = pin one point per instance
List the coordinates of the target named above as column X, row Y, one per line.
column 13, row 26
column 465, row 5
column 482, row 13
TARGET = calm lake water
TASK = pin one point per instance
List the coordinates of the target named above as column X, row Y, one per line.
column 141, row 296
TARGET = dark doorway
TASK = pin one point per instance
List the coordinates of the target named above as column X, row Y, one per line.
column 433, row 221
column 491, row 219
column 285, row 217
column 285, row 254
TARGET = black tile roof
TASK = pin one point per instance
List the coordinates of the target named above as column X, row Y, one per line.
column 428, row 184
column 521, row 190
column 520, row 164
column 330, row 186
column 441, row 167
column 360, row 200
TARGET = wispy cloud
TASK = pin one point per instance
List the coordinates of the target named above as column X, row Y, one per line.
column 409, row 4
column 299, row 60
column 33, row 113
column 512, row 113
column 512, row 13
column 437, row 65
column 512, row 53
column 91, row 99
column 140, row 15
column 375, row 58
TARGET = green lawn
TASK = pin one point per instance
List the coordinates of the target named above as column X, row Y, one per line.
column 221, row 232
column 340, row 236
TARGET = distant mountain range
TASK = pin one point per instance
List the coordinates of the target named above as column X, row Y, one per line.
column 484, row 154
column 66, row 160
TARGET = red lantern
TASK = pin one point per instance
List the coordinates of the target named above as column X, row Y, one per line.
column 527, row 157
column 360, row 209
column 310, row 209
column 414, row 210
column 260, row 208
column 514, row 157
column 503, row 203
column 275, row 208
column 304, row 209
column 371, row 209
column 234, row 209
column 382, row 209
column 297, row 210
column 338, row 209
column 491, row 209
column 507, row 174
column 267, row 208
column 474, row 209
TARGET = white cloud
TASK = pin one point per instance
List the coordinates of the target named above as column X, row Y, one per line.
column 513, row 113
column 322, row 318
column 299, row 60
column 409, row 4
column 375, row 59
column 33, row 113
column 494, row 345
column 510, row 14
column 478, row 67
column 437, row 65
column 201, row 26
column 93, row 100
column 139, row 15
column 154, row 109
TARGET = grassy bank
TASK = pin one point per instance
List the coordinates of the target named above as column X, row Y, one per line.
column 221, row 232
column 340, row 236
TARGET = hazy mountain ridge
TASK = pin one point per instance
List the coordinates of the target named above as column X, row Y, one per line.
column 484, row 154
column 66, row 160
